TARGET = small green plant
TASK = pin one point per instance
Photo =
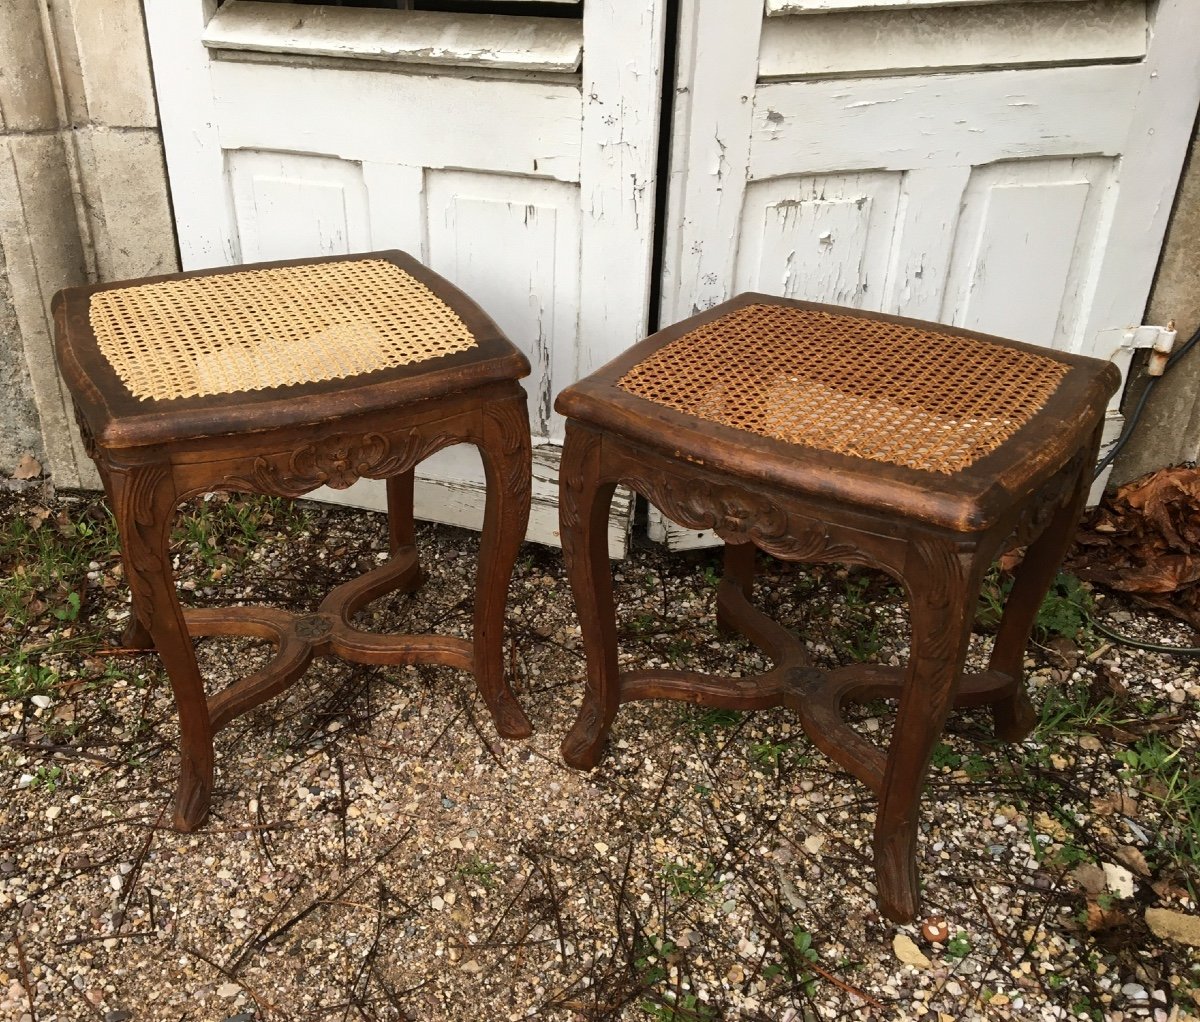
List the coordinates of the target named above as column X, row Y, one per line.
column 1172, row 780
column 478, row 871
column 945, row 758
column 23, row 674
column 707, row 721
column 769, row 755
column 804, row 954
column 685, row 881
column 70, row 610
column 650, row 960
column 1066, row 611
column 958, row 946
column 48, row 778
column 688, row 1008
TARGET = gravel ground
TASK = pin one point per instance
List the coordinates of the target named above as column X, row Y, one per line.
column 375, row 851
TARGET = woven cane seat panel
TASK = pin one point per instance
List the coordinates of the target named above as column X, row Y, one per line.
column 849, row 385
column 251, row 330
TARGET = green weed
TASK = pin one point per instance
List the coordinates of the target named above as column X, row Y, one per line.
column 477, row 870
column 1066, row 611
column 685, row 881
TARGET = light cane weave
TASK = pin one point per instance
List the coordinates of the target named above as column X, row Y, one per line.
column 849, row 385
column 253, row 329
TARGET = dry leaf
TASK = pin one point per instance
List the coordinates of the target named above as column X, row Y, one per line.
column 27, row 468
column 1107, row 805
column 1100, row 919
column 1132, row 857
column 1090, row 877
column 37, row 518
column 1145, row 540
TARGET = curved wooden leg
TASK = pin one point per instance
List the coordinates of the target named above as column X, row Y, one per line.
column 943, row 586
column 738, row 571
column 135, row 635
column 507, row 462
column 1013, row 716
column 401, row 532
column 144, row 504
column 583, row 522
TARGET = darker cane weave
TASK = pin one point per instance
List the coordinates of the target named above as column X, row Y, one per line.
column 861, row 387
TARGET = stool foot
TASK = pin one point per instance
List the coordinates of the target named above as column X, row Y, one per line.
column 584, row 744
column 1014, row 718
column 193, row 792
column 896, row 876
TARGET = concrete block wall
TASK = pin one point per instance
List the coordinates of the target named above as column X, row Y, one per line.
column 83, row 197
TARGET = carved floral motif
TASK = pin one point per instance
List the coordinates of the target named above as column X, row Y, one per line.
column 339, row 461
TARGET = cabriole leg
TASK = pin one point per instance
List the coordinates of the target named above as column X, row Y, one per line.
column 943, row 585
column 584, row 502
column 144, row 503
column 1014, row 716
column 507, row 461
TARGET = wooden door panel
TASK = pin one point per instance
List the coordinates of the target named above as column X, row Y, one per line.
column 270, row 188
column 509, row 127
column 821, row 238
column 1025, row 258
column 942, row 120
column 513, row 244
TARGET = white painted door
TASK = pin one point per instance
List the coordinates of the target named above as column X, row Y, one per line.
column 515, row 155
column 1006, row 166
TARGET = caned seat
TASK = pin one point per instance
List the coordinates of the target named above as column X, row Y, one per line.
column 280, row 378
column 817, row 433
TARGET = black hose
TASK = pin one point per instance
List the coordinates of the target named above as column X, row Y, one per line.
column 1132, row 421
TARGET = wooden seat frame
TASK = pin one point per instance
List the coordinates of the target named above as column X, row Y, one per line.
column 288, row 441
column 936, row 536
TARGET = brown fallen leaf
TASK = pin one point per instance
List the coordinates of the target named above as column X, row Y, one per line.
column 1133, row 859
column 1144, row 540
column 1117, row 802
column 1090, row 877
column 1101, row 919
column 27, row 468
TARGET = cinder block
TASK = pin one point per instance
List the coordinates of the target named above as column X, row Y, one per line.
column 127, row 207
column 110, row 40
column 20, row 419
column 26, row 90
column 40, row 237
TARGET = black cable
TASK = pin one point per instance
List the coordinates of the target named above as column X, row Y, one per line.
column 1132, row 421
column 1154, row 647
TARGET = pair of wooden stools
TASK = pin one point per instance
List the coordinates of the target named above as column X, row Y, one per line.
column 810, row 432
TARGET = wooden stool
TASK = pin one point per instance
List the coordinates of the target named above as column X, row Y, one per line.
column 279, row 378
column 822, row 434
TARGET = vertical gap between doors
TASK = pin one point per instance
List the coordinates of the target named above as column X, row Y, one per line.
column 663, row 169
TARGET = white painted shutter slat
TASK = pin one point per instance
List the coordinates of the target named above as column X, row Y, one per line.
column 404, row 37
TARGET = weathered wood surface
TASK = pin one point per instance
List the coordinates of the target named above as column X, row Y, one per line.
column 401, row 37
